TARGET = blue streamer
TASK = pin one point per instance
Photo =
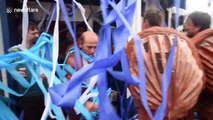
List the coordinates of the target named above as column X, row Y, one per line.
column 85, row 112
column 142, row 78
column 67, row 21
column 168, row 72
column 79, row 76
column 60, row 94
column 51, row 18
column 6, row 113
column 37, row 55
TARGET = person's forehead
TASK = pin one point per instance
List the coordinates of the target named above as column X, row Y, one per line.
column 90, row 43
column 33, row 31
column 91, row 39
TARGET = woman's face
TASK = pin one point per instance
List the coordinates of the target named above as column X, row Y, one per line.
column 191, row 29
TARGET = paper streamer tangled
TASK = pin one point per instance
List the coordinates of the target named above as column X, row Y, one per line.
column 67, row 93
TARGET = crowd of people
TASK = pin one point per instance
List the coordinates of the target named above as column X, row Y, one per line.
column 32, row 102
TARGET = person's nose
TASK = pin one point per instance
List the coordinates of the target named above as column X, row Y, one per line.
column 36, row 35
column 93, row 50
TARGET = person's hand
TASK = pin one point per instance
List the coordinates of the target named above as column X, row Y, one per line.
column 22, row 71
column 91, row 106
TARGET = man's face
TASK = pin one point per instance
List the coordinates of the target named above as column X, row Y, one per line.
column 32, row 35
column 89, row 45
column 192, row 30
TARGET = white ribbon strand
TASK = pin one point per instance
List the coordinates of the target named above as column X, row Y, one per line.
column 55, row 58
column 82, row 10
column 25, row 22
column 40, row 5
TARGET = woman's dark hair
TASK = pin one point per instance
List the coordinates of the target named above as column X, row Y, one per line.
column 201, row 19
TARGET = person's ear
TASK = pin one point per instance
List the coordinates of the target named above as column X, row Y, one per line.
column 145, row 25
column 80, row 43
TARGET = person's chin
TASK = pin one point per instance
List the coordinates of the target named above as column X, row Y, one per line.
column 34, row 41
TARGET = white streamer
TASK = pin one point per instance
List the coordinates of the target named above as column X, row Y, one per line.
column 92, row 83
column 137, row 27
column 82, row 10
column 25, row 22
column 137, row 21
column 3, row 71
column 169, row 17
column 55, row 58
column 46, row 11
column 85, row 96
column 41, row 23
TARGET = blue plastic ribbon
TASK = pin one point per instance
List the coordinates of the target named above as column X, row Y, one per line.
column 100, row 64
column 142, row 78
column 6, row 113
column 35, row 54
column 51, row 18
column 82, row 53
column 85, row 111
column 66, row 94
column 67, row 21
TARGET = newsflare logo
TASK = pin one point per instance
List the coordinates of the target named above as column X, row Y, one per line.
column 10, row 10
